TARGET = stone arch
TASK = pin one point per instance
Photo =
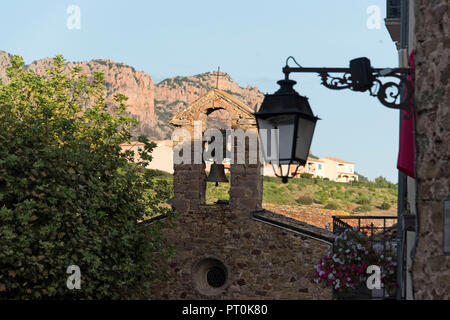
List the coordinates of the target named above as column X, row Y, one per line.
column 241, row 115
column 190, row 179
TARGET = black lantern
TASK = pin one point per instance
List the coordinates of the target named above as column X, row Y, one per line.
column 288, row 147
column 286, row 127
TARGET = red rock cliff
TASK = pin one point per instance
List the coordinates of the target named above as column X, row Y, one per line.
column 152, row 104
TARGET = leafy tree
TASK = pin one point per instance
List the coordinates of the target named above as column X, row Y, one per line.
column 68, row 195
column 362, row 178
column 381, row 182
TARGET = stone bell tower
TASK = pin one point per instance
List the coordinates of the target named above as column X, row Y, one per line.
column 189, row 182
column 230, row 249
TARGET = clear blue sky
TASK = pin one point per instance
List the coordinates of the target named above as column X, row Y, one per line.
column 250, row 40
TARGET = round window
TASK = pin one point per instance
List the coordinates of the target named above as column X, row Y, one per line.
column 210, row 276
column 216, row 277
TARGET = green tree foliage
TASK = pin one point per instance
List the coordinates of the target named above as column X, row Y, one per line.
column 362, row 178
column 68, row 196
column 381, row 182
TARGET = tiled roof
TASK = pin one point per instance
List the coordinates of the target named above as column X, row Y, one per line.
column 313, row 160
column 338, row 160
column 288, row 223
column 349, row 173
column 166, row 143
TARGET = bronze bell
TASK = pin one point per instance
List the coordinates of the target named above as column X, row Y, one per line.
column 217, row 174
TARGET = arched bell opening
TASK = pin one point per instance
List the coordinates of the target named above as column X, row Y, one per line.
column 217, row 161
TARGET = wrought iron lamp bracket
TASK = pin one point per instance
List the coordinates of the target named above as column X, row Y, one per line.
column 388, row 93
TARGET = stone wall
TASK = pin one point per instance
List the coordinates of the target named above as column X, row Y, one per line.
column 246, row 175
column 258, row 261
column 432, row 100
column 263, row 261
column 189, row 186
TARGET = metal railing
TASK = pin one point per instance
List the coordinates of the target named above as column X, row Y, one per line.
column 377, row 229
column 374, row 225
column 339, row 225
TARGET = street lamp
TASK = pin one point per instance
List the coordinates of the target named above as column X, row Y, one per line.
column 286, row 127
column 285, row 119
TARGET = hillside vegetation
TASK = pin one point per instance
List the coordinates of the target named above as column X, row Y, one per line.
column 356, row 197
column 377, row 197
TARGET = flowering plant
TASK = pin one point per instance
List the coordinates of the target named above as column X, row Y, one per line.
column 344, row 267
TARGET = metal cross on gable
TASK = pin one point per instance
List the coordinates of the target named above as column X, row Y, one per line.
column 218, row 74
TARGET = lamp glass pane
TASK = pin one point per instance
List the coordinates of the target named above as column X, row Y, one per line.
column 305, row 131
column 285, row 126
column 269, row 140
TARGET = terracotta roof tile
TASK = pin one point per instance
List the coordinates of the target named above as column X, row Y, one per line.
column 338, row 160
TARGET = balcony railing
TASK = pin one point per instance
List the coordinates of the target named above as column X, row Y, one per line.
column 373, row 226
column 380, row 230
column 377, row 227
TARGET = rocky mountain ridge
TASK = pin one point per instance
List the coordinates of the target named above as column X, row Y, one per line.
column 153, row 104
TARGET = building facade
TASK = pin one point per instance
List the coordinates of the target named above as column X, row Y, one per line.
column 234, row 249
column 330, row 168
column 421, row 32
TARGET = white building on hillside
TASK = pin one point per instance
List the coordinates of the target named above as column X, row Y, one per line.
column 327, row 167
column 162, row 154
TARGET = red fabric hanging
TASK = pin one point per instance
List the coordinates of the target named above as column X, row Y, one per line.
column 406, row 152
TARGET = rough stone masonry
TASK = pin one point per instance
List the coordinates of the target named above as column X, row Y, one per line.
column 222, row 251
column 431, row 274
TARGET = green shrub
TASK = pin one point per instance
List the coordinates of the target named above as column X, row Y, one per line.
column 322, row 196
column 305, row 200
column 332, row 205
column 305, row 175
column 363, row 208
column 346, row 205
column 68, row 196
column 337, row 194
column 363, row 200
column 385, row 206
